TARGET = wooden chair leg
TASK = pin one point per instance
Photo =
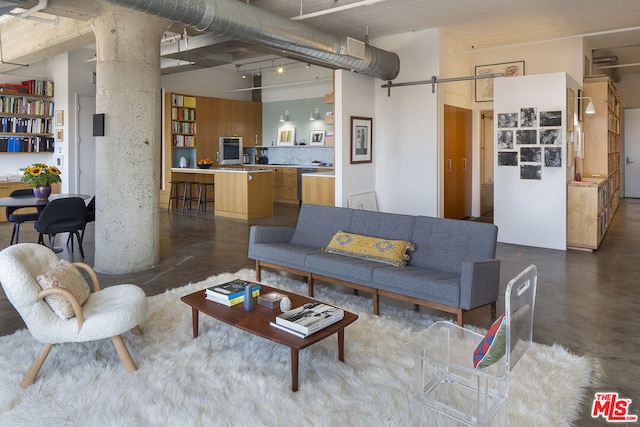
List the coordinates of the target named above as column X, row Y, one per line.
column 125, row 357
column 31, row 374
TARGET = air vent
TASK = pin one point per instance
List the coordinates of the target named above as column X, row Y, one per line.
column 353, row 48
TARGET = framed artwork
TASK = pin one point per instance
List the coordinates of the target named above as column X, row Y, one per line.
column 366, row 201
column 570, row 110
column 361, row 139
column 484, row 87
column 317, row 137
column 59, row 118
column 580, row 95
column 286, row 135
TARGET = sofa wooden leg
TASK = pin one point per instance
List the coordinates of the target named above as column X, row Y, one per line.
column 310, row 286
column 31, row 374
column 459, row 317
column 493, row 310
column 376, row 303
column 258, row 271
column 125, row 356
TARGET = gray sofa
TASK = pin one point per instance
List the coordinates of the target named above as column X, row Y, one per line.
column 453, row 268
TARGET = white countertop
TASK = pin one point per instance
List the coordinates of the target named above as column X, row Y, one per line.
column 320, row 174
column 220, row 170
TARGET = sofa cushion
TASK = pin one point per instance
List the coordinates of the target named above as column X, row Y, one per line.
column 387, row 251
column 317, row 224
column 284, row 254
column 427, row 284
column 66, row 276
column 494, row 344
column 443, row 244
column 382, row 224
column 342, row 267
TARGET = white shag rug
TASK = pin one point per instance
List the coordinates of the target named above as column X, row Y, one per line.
column 227, row 377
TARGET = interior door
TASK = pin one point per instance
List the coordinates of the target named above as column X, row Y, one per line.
column 86, row 145
column 457, row 158
column 632, row 152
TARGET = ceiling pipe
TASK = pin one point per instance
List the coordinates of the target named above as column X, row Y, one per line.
column 239, row 21
column 609, row 60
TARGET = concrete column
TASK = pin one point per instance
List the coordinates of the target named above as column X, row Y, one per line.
column 128, row 155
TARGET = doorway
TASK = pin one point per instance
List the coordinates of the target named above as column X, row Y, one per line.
column 486, row 163
column 457, row 158
column 86, row 171
column 632, row 153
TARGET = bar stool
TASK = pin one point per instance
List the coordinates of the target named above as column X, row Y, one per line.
column 189, row 194
column 174, row 193
column 202, row 195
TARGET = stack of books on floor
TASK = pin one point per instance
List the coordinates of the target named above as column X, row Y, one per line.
column 231, row 293
column 308, row 319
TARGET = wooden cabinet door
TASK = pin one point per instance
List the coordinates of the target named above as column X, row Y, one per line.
column 207, row 125
column 230, row 117
column 457, row 162
column 252, row 129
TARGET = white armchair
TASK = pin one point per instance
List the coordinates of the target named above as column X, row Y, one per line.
column 106, row 313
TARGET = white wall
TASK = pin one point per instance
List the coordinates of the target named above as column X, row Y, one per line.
column 527, row 211
column 284, row 87
column 406, row 147
column 354, row 97
column 219, row 82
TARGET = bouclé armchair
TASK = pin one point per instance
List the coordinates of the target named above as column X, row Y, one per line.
column 80, row 315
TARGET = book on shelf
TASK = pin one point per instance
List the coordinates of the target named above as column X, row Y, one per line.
column 310, row 317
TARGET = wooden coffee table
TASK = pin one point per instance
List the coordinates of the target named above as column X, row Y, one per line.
column 257, row 321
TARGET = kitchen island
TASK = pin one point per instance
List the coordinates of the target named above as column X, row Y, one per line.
column 241, row 193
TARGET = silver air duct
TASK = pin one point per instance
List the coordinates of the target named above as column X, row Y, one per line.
column 609, row 60
column 236, row 20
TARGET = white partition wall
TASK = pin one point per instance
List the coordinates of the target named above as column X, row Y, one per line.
column 531, row 173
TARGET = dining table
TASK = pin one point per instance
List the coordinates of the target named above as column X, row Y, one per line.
column 30, row 201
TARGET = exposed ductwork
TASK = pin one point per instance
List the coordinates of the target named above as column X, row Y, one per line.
column 239, row 21
column 609, row 60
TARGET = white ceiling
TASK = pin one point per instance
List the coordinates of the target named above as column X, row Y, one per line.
column 612, row 27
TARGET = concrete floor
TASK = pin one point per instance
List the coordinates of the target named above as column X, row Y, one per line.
column 587, row 302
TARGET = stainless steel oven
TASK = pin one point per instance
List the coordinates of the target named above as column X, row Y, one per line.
column 230, row 152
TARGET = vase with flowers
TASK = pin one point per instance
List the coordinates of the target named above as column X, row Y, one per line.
column 40, row 176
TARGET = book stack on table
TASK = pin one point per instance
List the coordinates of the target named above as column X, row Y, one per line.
column 231, row 293
column 308, row 319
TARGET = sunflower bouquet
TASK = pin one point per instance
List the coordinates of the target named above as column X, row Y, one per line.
column 41, row 174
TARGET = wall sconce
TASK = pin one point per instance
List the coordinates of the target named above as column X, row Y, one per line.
column 284, row 116
column 314, row 114
column 590, row 108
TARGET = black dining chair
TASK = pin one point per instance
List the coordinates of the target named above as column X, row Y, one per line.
column 91, row 217
column 66, row 215
column 19, row 218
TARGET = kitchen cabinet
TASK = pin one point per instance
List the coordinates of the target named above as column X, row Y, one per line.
column 230, row 117
column 252, row 124
column 318, row 189
column 243, row 194
column 207, row 124
column 285, row 185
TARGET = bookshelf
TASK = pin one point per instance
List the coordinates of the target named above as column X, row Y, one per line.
column 26, row 117
column 591, row 207
column 183, row 121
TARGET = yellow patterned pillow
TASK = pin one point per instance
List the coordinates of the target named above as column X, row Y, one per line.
column 371, row 248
